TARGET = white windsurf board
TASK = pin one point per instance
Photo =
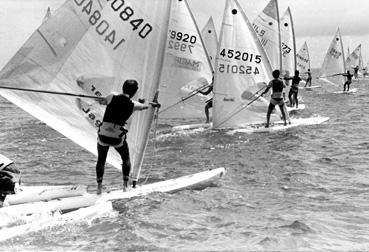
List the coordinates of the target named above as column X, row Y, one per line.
column 28, row 194
column 277, row 126
column 310, row 87
column 88, row 199
column 351, row 91
column 192, row 126
column 300, row 107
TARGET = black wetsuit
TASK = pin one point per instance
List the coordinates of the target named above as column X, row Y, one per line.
column 348, row 81
column 116, row 114
column 209, row 103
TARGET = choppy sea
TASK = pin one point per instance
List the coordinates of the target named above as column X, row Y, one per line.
column 305, row 189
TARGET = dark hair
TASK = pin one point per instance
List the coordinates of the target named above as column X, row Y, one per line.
column 297, row 72
column 130, row 87
column 276, row 73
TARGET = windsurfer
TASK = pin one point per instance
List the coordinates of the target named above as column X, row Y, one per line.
column 112, row 132
column 308, row 80
column 9, row 178
column 294, row 90
column 277, row 96
column 347, row 84
column 209, row 103
column 356, row 72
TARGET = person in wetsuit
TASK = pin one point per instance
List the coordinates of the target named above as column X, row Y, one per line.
column 112, row 133
column 277, row 87
column 9, row 178
column 294, row 90
column 348, row 82
column 208, row 103
column 309, row 78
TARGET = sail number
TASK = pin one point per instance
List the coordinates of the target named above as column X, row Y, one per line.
column 335, row 54
column 126, row 14
column 103, row 26
column 236, row 69
column 181, row 41
column 259, row 31
column 237, row 55
column 285, row 49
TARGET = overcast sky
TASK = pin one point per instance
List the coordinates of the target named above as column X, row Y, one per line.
column 315, row 21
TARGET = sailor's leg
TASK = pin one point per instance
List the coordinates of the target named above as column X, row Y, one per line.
column 126, row 164
column 2, row 199
column 102, row 152
column 207, row 113
column 270, row 110
column 290, row 98
column 281, row 107
column 296, row 99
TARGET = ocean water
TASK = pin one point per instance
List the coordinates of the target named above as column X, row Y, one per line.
column 305, row 189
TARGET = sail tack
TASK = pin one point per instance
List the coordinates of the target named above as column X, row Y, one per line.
column 242, row 69
column 91, row 47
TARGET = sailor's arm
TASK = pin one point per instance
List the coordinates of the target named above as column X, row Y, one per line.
column 207, row 91
column 265, row 91
column 104, row 100
column 141, row 105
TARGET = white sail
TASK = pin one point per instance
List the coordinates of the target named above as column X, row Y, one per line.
column 47, row 15
column 186, row 66
column 267, row 26
column 303, row 59
column 288, row 44
column 91, row 47
column 334, row 61
column 354, row 58
column 242, row 69
column 361, row 62
column 209, row 35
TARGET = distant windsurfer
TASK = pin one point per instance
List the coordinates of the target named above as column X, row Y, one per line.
column 356, row 72
column 277, row 87
column 9, row 178
column 365, row 72
column 294, row 90
column 112, row 133
column 309, row 78
column 209, row 103
column 348, row 82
